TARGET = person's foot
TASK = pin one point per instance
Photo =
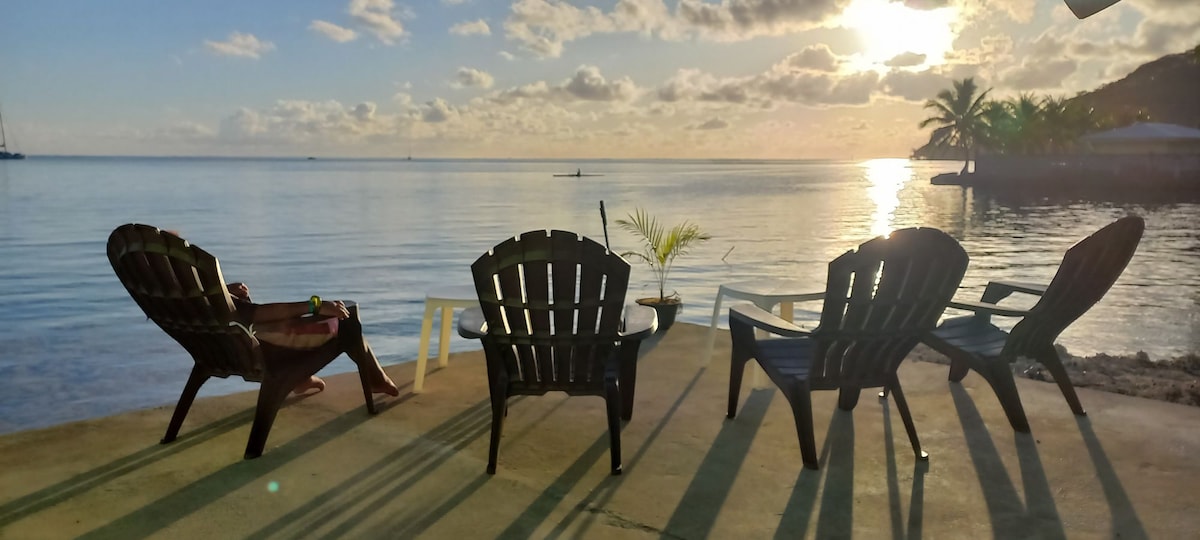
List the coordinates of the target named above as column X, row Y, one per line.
column 384, row 385
column 312, row 382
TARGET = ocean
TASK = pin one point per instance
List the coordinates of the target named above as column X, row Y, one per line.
column 73, row 345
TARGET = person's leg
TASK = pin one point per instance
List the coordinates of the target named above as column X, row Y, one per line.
column 351, row 338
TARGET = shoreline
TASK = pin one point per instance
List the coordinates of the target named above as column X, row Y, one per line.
column 1173, row 380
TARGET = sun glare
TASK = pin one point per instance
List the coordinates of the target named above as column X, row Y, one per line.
column 890, row 29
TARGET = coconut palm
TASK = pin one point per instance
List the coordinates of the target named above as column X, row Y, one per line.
column 962, row 110
column 661, row 245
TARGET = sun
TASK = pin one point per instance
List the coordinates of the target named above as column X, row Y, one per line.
column 890, row 29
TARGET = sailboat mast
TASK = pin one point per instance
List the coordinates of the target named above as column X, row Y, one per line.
column 3, row 140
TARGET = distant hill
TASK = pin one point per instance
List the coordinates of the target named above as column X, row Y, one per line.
column 1164, row 90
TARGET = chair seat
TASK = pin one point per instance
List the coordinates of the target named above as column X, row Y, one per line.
column 973, row 334
column 786, row 359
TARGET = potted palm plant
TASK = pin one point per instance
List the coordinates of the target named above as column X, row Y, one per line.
column 660, row 247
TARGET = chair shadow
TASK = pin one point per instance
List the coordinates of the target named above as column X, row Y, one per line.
column 916, row 508
column 1125, row 521
column 697, row 511
column 836, row 518
column 798, row 511
column 171, row 507
column 47, row 497
column 599, row 496
column 1036, row 516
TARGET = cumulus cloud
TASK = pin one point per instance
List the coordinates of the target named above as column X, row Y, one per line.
column 471, row 77
column 783, row 82
column 911, row 86
column 817, row 57
column 239, row 44
column 587, row 84
column 542, row 27
column 712, row 123
column 1039, row 74
column 472, row 28
column 377, row 17
column 906, row 59
column 333, row 31
column 297, row 121
column 438, row 111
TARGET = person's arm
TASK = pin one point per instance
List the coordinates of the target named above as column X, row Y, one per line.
column 285, row 311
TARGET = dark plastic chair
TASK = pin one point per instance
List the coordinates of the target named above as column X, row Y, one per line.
column 878, row 302
column 550, row 319
column 1087, row 272
column 180, row 287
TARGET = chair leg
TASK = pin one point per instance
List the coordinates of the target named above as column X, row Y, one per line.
column 368, row 397
column 1049, row 358
column 194, row 382
column 270, row 398
column 628, row 384
column 800, row 399
column 499, row 411
column 848, row 398
column 1000, row 377
column 906, row 417
column 612, row 401
column 958, row 369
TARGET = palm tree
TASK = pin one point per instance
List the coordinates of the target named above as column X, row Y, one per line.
column 660, row 246
column 962, row 111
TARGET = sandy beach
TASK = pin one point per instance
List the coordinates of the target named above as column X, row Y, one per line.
column 417, row 469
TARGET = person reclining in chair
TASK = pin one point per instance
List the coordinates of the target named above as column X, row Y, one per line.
column 349, row 334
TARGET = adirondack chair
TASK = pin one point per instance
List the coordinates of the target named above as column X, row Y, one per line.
column 878, row 302
column 550, row 319
column 180, row 287
column 1087, row 271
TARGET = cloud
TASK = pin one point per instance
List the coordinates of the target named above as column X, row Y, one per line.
column 239, row 44
column 471, row 77
column 906, row 59
column 471, row 28
column 297, row 121
column 377, row 17
column 783, row 82
column 454, row 2
column 333, row 31
column 438, row 111
column 911, row 86
column 1039, row 74
column 543, row 27
column 587, row 84
column 817, row 57
column 712, row 123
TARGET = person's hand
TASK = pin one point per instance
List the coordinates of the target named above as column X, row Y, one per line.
column 239, row 290
column 334, row 308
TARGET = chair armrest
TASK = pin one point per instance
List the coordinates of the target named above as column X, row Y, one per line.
column 640, row 322
column 471, row 323
column 986, row 308
column 765, row 320
column 808, row 297
column 999, row 290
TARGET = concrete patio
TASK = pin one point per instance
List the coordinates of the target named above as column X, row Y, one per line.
column 1129, row 469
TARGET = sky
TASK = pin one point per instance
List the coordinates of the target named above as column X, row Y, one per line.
column 736, row 79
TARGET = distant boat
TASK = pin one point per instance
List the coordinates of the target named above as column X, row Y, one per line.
column 577, row 174
column 310, row 158
column 4, row 153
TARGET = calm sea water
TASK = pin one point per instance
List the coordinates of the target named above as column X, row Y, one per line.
column 73, row 345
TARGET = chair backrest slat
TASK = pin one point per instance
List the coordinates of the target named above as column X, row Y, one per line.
column 553, row 302
column 879, row 300
column 181, row 289
column 1088, row 270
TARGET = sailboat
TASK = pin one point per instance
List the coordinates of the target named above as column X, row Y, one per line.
column 4, row 153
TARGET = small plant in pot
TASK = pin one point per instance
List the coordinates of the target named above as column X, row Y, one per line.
column 660, row 247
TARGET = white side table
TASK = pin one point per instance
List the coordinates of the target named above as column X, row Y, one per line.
column 764, row 293
column 445, row 299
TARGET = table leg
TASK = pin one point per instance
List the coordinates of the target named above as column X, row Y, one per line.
column 712, row 329
column 786, row 311
column 423, row 348
column 444, row 338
